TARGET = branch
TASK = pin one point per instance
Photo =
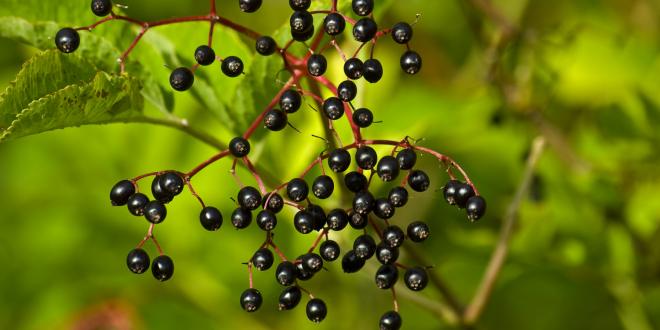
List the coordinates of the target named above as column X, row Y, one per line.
column 183, row 126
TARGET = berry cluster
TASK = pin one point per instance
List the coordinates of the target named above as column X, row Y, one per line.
column 353, row 167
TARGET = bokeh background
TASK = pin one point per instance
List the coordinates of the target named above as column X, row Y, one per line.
column 585, row 74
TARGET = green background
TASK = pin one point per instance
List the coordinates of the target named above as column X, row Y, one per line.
column 585, row 255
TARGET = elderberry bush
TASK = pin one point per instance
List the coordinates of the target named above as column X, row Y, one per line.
column 345, row 170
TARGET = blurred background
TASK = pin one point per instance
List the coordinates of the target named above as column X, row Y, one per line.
column 584, row 74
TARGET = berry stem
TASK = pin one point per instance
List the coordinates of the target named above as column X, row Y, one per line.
column 323, row 232
column 206, row 163
column 347, row 110
column 277, row 250
column 193, row 192
column 254, row 173
column 250, row 279
column 394, row 300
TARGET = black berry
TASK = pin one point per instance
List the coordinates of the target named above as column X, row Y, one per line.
column 171, row 183
column 463, row 192
column 316, row 310
column 364, row 247
column 121, row 191
column 301, row 21
column 155, row 212
column 302, row 36
column 249, row 198
column 357, row 220
column 363, row 202
column 353, row 68
column 67, row 40
column 290, row 101
column 266, row 220
column 337, row 219
column 393, row 236
column 350, row 263
column 159, row 193
column 398, row 196
column 162, row 268
column 312, row 262
column 407, row 158
column 347, row 91
column 241, row 218
column 418, row 231
column 297, row 190
column 416, row 278
column 289, row 298
column 275, row 202
column 390, row 321
column 204, row 55
column 373, row 70
column 285, row 273
column 402, row 32
column 334, row 24
column 137, row 261
column 300, row 4
column 383, row 208
column 181, row 79
column 386, row 254
column 355, row 181
column 239, row 147
column 263, row 259
column 303, row 221
column 101, row 7
column 329, row 250
column 475, row 207
column 210, row 218
column 323, row 186
column 418, row 180
column 449, row 191
column 386, row 276
column 232, row 66
column 388, row 168
column 251, row 300
column 318, row 216
column 333, row 108
column 363, row 7
column 302, row 273
column 364, row 29
column 366, row 157
column 265, row 45
column 339, row 160
column 136, row 204
column 249, row 6
column 275, row 120
column 317, row 65
column 363, row 117
column 411, row 62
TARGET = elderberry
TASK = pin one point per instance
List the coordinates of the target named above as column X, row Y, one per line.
column 232, row 66
column 67, row 40
column 181, row 79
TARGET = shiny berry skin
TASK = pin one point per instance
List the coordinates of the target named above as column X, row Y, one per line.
column 364, row 247
column 312, row 262
column 388, row 168
column 329, row 250
column 285, row 273
column 353, row 68
column 316, row 310
column 275, row 120
column 210, row 218
column 318, row 216
column 339, row 160
column 265, row 45
column 239, row 147
column 67, row 40
column 302, row 36
column 266, row 220
column 363, row 117
column 333, row 108
column 402, row 32
column 303, row 221
column 297, row 190
column 137, row 261
column 363, row 7
column 162, row 268
column 323, row 186
column 301, row 21
column 383, row 208
column 393, row 236
column 121, row 192
column 449, row 191
column 364, row 29
column 101, row 8
column 300, row 4
column 136, row 204
column 317, row 65
column 411, row 62
column 355, row 181
column 337, row 219
column 418, row 180
column 416, row 278
column 386, row 254
column 366, row 157
column 373, row 70
column 263, row 259
column 357, row 220
column 363, row 202
column 475, row 208
column 181, row 79
column 463, row 192
column 241, row 218
column 386, row 276
column 232, row 66
column 398, row 196
column 418, row 231
column 347, row 91
column 155, row 212
column 171, row 183
column 301, row 273
column 249, row 6
column 334, row 24
column 290, row 101
column 275, row 202
column 406, row 158
column 159, row 193
column 289, row 298
column 350, row 263
column 390, row 321
column 204, row 55
column 249, row 198
column 251, row 300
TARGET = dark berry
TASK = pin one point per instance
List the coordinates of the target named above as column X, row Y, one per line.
column 388, row 168
column 386, row 254
column 171, row 183
column 363, row 202
column 290, row 101
column 251, row 300
column 300, row 4
column 289, row 298
column 241, row 218
column 357, row 220
column 318, row 216
column 155, row 212
column 337, row 219
column 301, row 21
column 390, row 321
column 239, row 147
column 181, row 79
column 316, row 310
column 312, row 262
column 101, row 7
column 364, row 247
column 275, row 202
column 265, row 45
column 416, row 278
column 249, row 198
column 210, row 218
column 159, row 193
column 411, row 62
column 333, row 108
column 463, row 192
column 353, row 68
column 350, row 263
column 136, row 204
column 232, row 66
column 373, row 70
column 407, row 158
column 329, row 250
column 275, row 120
column 398, row 196
column 266, row 220
column 249, row 6
column 386, row 276
column 302, row 273
column 364, row 29
column 302, row 36
column 363, row 117
column 137, row 261
column 204, row 55
column 366, row 157
column 475, row 207
column 347, row 91
column 393, row 236
column 449, row 191
column 162, row 268
column 402, row 32
column 323, row 187
column 316, row 65
column 418, row 180
column 67, row 40
column 418, row 231
column 363, row 7
column 339, row 160
column 383, row 208
column 334, row 24
column 303, row 221
column 285, row 273
column 263, row 259
column 297, row 190
column 355, row 181
column 121, row 192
